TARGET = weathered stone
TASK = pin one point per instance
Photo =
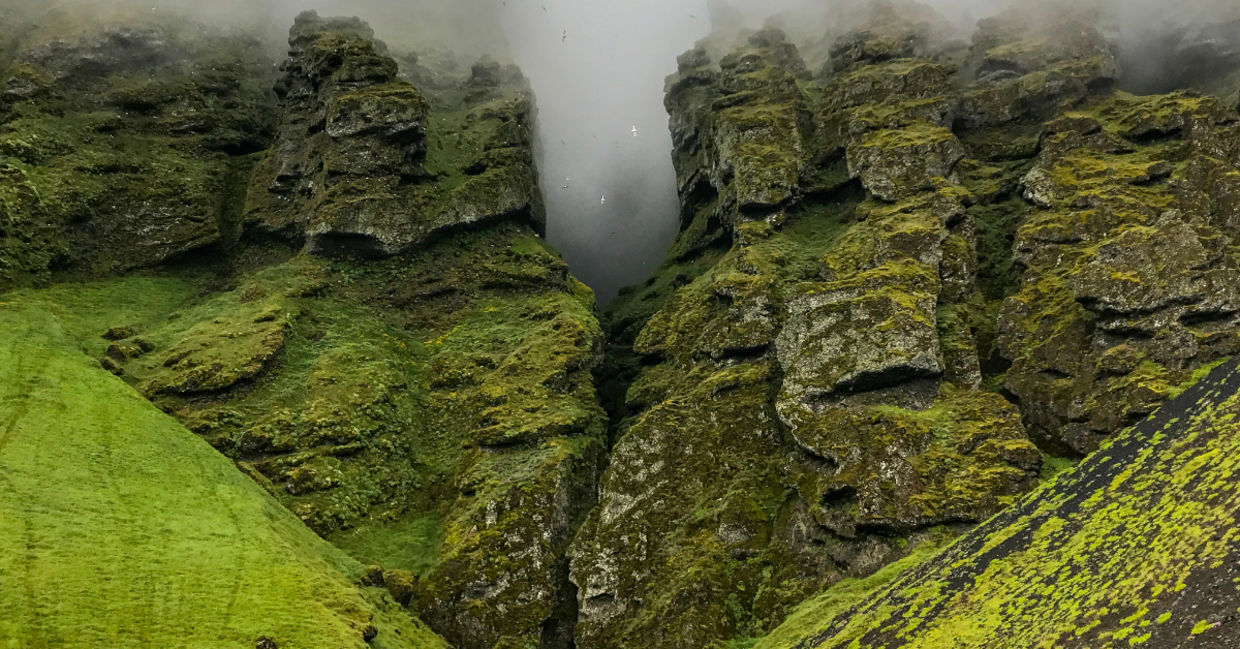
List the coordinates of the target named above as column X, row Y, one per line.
column 791, row 410
column 356, row 171
column 1116, row 261
column 742, row 133
column 1128, row 511
column 897, row 163
column 858, row 337
column 127, row 137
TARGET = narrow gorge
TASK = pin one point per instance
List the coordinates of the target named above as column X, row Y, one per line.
column 944, row 353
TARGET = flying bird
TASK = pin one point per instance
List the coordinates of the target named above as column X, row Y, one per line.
column 604, row 200
column 635, row 131
column 564, row 38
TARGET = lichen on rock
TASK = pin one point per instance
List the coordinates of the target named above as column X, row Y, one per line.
column 128, row 138
column 363, row 166
column 805, row 361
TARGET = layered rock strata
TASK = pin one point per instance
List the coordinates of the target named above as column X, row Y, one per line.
column 893, row 279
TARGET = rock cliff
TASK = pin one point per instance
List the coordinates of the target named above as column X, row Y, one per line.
column 1135, row 547
column 370, row 325
column 897, row 278
column 917, row 278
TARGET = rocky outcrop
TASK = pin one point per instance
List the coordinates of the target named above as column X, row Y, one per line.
column 1135, row 547
column 357, row 168
column 821, row 392
column 121, row 145
column 910, row 284
column 949, row 252
column 1129, row 280
column 432, row 414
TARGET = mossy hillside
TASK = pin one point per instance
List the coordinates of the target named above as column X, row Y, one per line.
column 170, row 541
column 433, row 414
column 1124, row 550
column 129, row 165
column 416, row 411
column 841, row 597
column 510, row 376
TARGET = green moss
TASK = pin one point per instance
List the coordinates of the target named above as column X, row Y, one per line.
column 121, row 173
column 998, row 273
column 1099, row 192
column 1143, row 513
column 1053, row 466
column 408, row 544
column 387, row 413
column 841, row 597
column 912, row 135
column 170, row 542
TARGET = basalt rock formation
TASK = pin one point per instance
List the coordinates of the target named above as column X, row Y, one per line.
column 355, row 168
column 285, row 361
column 1135, row 547
column 894, row 278
column 122, row 147
column 370, row 327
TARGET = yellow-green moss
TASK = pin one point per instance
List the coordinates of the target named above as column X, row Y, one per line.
column 171, row 543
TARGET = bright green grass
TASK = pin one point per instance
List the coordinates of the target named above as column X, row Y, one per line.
column 1053, row 465
column 410, row 543
column 119, row 528
column 84, row 312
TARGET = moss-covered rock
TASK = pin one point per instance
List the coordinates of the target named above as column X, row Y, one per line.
column 784, row 412
column 432, row 414
column 1133, row 547
column 741, row 130
column 448, row 427
column 1121, row 255
column 363, row 166
column 122, row 144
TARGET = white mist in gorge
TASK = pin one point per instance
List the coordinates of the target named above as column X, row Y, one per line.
column 597, row 71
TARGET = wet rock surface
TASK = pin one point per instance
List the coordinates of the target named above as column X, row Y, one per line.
column 363, row 167
column 950, row 268
column 911, row 284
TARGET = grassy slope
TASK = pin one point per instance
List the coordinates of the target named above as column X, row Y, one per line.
column 119, row 528
column 1138, row 546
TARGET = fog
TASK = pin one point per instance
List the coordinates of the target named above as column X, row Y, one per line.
column 597, row 68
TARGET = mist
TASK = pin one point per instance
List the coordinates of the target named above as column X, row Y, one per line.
column 597, row 70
